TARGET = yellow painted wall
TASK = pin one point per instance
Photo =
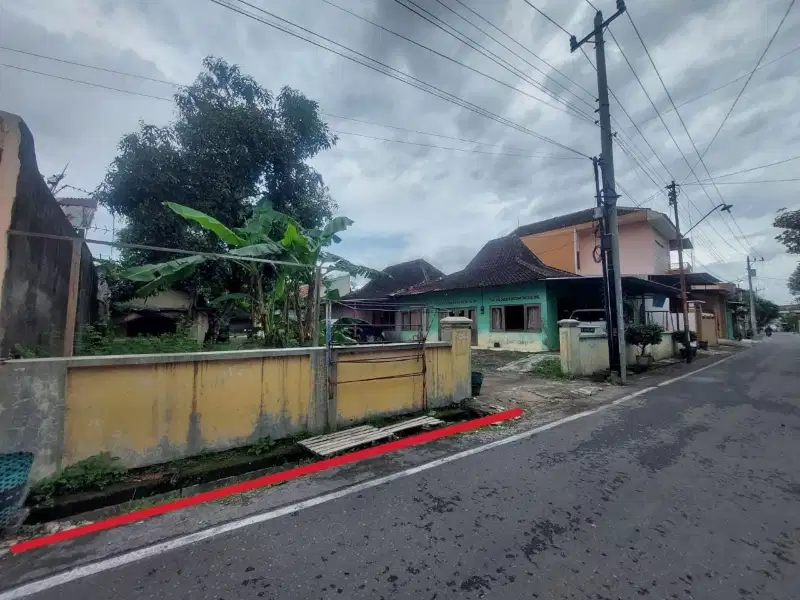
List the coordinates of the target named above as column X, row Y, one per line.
column 378, row 383
column 439, row 376
column 140, row 412
column 148, row 410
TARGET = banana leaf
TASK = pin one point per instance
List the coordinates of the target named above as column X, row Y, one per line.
column 208, row 222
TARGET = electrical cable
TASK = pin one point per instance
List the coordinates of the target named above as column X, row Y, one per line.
column 386, row 70
column 95, row 67
column 439, row 135
column 683, row 124
column 749, row 77
column 701, row 238
column 92, row 84
column 583, row 116
column 494, row 39
column 744, row 182
column 179, row 85
column 97, row 85
column 564, row 75
column 780, row 162
column 669, row 132
column 547, row 17
column 724, row 85
column 363, row 135
column 464, row 39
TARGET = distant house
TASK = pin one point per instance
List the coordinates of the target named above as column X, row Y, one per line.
column 571, row 242
column 502, row 290
column 158, row 314
column 374, row 303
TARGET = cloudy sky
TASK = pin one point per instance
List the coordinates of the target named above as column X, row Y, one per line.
column 439, row 203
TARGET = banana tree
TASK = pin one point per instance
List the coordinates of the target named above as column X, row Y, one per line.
column 249, row 241
column 308, row 247
column 278, row 309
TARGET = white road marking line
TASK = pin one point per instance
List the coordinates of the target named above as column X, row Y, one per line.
column 108, row 564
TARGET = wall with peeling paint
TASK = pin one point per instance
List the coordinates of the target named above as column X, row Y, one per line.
column 149, row 409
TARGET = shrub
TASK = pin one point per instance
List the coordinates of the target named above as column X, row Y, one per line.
column 680, row 336
column 643, row 336
column 94, row 473
column 95, row 341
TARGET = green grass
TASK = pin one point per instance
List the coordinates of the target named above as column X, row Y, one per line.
column 549, row 368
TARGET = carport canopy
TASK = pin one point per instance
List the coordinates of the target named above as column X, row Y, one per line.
column 593, row 284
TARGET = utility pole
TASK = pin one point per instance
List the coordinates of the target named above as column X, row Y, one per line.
column 617, row 325
column 750, row 273
column 608, row 290
column 687, row 340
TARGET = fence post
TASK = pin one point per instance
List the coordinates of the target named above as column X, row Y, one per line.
column 460, row 330
column 569, row 340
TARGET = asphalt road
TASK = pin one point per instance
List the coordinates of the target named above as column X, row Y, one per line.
column 691, row 490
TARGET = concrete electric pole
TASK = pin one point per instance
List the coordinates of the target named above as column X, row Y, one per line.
column 687, row 342
column 617, row 326
column 750, row 273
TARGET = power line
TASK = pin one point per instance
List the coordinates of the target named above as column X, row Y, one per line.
column 490, row 36
column 387, row 70
column 465, row 39
column 780, row 162
column 749, row 77
column 627, row 114
column 731, row 82
column 97, row 85
column 95, row 67
column 565, row 76
column 672, row 137
column 630, row 153
column 583, row 116
column 746, row 182
column 548, row 18
column 363, row 135
column 121, row 90
column 622, row 107
column 439, row 135
column 699, row 236
column 680, row 118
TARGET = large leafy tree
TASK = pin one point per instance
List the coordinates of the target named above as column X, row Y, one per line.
column 233, row 146
column 794, row 282
column 766, row 310
column 789, row 221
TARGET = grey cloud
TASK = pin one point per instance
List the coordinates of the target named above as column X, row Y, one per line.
column 440, row 204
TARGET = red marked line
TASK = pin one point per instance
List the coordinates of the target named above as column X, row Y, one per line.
column 245, row 486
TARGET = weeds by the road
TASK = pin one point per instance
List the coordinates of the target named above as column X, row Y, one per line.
column 94, row 473
column 549, row 368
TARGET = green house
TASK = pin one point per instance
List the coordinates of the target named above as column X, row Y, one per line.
column 502, row 290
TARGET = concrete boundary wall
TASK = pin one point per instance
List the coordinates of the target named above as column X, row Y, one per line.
column 587, row 353
column 149, row 409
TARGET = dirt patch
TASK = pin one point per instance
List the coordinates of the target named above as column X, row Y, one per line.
column 488, row 361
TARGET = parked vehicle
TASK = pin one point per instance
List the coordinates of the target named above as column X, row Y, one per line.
column 360, row 330
column 590, row 320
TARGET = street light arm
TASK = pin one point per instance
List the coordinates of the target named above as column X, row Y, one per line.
column 721, row 207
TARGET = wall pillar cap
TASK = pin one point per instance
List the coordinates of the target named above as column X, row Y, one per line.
column 456, row 322
column 568, row 323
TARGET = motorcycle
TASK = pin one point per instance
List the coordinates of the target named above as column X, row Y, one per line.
column 768, row 331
